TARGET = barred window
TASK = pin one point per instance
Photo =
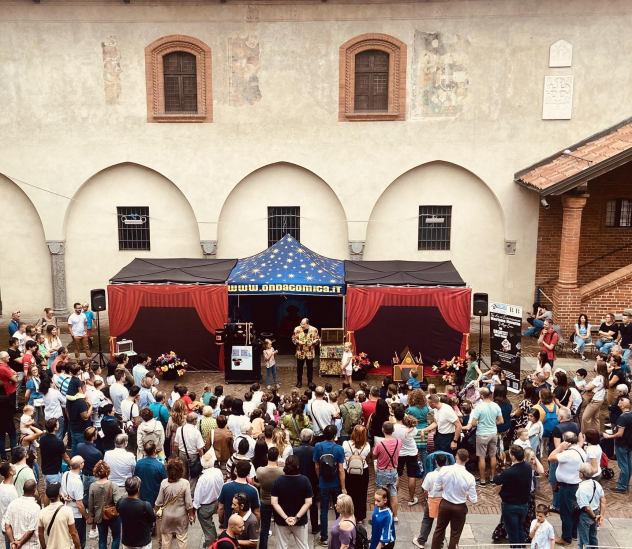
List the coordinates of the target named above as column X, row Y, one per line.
column 619, row 212
column 283, row 220
column 435, row 224
column 133, row 227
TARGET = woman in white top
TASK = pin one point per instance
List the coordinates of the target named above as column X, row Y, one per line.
column 54, row 401
column 593, row 451
column 582, row 335
column 347, row 361
column 357, row 484
column 590, row 419
column 52, row 343
column 237, row 417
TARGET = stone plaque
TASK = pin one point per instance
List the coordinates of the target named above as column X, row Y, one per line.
column 558, row 98
column 561, row 54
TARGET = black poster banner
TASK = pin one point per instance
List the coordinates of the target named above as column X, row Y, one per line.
column 505, row 326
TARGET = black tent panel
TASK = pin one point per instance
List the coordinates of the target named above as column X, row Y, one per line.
column 402, row 273
column 175, row 271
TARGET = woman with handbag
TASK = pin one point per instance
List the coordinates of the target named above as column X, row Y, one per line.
column 295, row 422
column 174, row 506
column 356, row 468
column 102, row 499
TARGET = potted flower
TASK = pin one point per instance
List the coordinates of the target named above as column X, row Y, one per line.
column 169, row 366
column 361, row 366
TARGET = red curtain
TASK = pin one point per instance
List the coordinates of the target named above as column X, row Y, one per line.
column 210, row 302
column 454, row 304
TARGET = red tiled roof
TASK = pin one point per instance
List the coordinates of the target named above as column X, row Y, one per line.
column 560, row 167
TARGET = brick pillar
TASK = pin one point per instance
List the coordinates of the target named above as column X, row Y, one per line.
column 566, row 296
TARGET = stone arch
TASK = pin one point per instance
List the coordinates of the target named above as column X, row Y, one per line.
column 477, row 235
column 91, row 225
column 154, row 74
column 243, row 229
column 396, row 50
column 25, row 266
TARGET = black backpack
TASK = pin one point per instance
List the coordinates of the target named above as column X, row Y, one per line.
column 327, row 462
column 361, row 539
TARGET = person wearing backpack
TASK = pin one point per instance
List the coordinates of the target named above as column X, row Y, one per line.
column 344, row 530
column 329, row 459
column 386, row 452
column 356, row 450
column 351, row 414
column 229, row 538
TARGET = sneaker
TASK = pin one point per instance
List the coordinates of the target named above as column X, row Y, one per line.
column 608, row 425
column 268, row 387
column 554, row 510
column 617, row 490
column 414, row 501
column 574, row 350
column 417, row 544
column 396, row 520
column 584, row 358
column 480, row 482
column 94, row 534
column 560, row 541
column 323, row 542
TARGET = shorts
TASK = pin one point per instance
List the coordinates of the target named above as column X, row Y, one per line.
column 387, row 479
column 52, row 479
column 349, row 373
column 89, row 332
column 486, row 445
column 410, row 462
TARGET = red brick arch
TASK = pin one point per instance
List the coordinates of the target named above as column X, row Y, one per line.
column 396, row 77
column 154, row 74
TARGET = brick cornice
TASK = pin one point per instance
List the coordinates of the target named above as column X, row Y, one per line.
column 154, row 75
column 574, row 202
column 397, row 53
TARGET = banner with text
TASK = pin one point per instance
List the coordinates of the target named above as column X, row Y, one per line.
column 505, row 326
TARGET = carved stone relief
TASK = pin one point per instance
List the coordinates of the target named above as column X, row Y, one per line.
column 558, row 98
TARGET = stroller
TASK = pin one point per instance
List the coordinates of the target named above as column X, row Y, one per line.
column 470, row 392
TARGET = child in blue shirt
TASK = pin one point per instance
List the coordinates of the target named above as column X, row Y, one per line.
column 382, row 522
column 413, row 382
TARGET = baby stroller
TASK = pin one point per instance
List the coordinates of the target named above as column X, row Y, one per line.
column 470, row 392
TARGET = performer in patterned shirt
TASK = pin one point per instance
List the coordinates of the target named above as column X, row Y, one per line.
column 305, row 337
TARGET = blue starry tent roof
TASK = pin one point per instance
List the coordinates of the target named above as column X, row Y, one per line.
column 287, row 267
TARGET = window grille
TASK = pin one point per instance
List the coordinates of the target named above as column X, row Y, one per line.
column 133, row 227
column 435, row 224
column 619, row 212
column 283, row 220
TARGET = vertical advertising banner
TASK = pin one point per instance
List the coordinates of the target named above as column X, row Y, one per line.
column 505, row 326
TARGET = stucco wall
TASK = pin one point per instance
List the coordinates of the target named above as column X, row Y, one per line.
column 73, row 102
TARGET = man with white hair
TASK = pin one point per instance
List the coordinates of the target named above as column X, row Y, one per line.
column 205, row 499
column 122, row 463
column 305, row 337
column 246, row 432
column 72, row 488
column 190, row 446
column 592, row 504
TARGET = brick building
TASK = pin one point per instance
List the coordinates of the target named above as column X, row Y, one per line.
column 584, row 254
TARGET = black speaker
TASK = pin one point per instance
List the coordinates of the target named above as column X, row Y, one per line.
column 480, row 305
column 97, row 300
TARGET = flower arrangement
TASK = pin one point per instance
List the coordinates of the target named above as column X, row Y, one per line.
column 447, row 368
column 170, row 366
column 361, row 363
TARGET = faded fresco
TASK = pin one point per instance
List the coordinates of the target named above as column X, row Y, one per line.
column 111, row 70
column 243, row 56
column 440, row 79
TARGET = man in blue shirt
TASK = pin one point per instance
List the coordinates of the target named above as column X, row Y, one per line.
column 14, row 324
column 140, row 370
column 225, row 507
column 331, row 479
column 151, row 473
column 161, row 412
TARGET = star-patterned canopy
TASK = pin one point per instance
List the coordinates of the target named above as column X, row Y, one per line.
column 287, row 267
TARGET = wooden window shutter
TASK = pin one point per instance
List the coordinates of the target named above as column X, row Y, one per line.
column 180, row 83
column 371, row 81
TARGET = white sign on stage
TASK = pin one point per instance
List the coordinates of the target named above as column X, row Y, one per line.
column 241, row 358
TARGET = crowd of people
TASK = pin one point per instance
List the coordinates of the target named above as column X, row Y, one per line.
column 123, row 461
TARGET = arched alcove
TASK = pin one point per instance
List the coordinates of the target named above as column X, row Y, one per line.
column 243, row 225
column 477, row 223
column 25, row 267
column 91, row 227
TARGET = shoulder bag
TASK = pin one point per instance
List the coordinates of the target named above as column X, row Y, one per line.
column 161, row 509
column 50, row 524
column 195, row 466
column 109, row 511
column 130, row 426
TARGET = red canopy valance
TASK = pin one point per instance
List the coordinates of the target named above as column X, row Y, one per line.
column 454, row 304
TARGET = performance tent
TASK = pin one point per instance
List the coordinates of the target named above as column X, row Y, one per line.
column 392, row 305
column 166, row 305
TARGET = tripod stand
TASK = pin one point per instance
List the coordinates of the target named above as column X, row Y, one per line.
column 101, row 356
column 480, row 340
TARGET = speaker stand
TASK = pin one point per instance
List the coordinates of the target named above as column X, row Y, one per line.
column 480, row 341
column 99, row 357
